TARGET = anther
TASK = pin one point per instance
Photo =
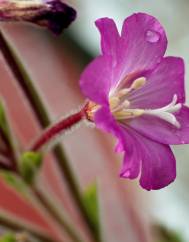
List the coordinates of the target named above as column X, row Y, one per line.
column 123, row 92
column 138, row 83
column 114, row 102
column 125, row 104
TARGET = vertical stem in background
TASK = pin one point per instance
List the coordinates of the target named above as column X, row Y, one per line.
column 47, row 204
column 16, row 225
column 10, row 151
column 44, row 120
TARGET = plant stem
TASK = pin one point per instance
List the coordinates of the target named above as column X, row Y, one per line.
column 57, row 129
column 44, row 120
column 18, row 226
column 6, row 134
column 46, row 203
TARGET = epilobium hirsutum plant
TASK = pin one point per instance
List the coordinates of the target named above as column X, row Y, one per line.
column 132, row 91
column 53, row 14
column 137, row 94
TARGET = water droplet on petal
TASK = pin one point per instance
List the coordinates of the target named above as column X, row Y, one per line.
column 126, row 174
column 152, row 36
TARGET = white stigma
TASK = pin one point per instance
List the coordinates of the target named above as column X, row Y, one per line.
column 166, row 112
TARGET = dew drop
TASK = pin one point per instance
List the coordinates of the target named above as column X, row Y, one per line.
column 152, row 36
column 126, row 174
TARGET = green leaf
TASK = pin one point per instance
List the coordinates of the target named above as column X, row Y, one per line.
column 14, row 181
column 30, row 163
column 5, row 128
column 90, row 199
column 9, row 237
column 3, row 120
column 167, row 235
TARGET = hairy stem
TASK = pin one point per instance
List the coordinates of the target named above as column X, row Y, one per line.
column 57, row 129
column 44, row 120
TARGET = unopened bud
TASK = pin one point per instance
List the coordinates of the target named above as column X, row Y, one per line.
column 53, row 14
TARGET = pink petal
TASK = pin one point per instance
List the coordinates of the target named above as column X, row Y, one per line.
column 124, row 57
column 111, row 46
column 131, row 165
column 155, row 160
column 158, row 165
column 109, row 36
column 126, row 142
column 106, row 122
column 163, row 82
column 144, row 43
column 132, row 161
column 161, row 131
column 95, row 81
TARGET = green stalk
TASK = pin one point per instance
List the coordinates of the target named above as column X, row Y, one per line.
column 18, row 226
column 41, row 113
column 53, row 212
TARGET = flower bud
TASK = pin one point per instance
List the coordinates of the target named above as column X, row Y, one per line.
column 53, row 14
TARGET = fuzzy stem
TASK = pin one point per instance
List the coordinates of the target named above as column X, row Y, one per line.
column 41, row 113
column 56, row 129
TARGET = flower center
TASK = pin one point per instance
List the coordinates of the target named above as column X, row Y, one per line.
column 120, row 106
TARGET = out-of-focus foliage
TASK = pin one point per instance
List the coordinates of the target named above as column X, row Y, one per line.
column 166, row 235
column 90, row 198
column 30, row 163
column 3, row 121
column 14, row 181
column 170, row 205
column 9, row 237
column 8, row 144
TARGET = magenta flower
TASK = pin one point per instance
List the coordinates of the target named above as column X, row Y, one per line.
column 137, row 94
column 53, row 14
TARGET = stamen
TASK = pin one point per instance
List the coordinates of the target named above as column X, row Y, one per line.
column 120, row 106
column 125, row 104
column 138, row 83
column 129, row 113
column 114, row 102
column 123, row 92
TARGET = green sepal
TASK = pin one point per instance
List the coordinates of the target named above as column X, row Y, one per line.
column 90, row 199
column 30, row 163
column 8, row 237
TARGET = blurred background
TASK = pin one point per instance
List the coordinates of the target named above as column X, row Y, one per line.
column 128, row 213
column 170, row 205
